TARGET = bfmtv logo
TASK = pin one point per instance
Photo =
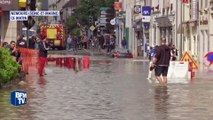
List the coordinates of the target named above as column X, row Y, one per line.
column 18, row 98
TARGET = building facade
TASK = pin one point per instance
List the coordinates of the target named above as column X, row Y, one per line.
column 190, row 29
column 56, row 5
column 8, row 29
column 163, row 22
column 68, row 9
column 205, row 29
column 135, row 32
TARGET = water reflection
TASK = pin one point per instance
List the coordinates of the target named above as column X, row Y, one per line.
column 161, row 102
column 42, row 81
column 115, row 90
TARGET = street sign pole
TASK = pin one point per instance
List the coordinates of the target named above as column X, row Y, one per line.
column 181, row 34
column 27, row 36
column 27, row 32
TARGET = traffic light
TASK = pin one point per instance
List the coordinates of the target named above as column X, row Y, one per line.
column 29, row 24
column 90, row 19
column 22, row 4
column 32, row 4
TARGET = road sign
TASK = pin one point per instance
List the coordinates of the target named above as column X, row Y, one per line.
column 146, row 25
column 103, row 13
column 118, row 5
column 92, row 28
column 112, row 22
column 146, row 13
column 208, row 59
column 104, row 20
column 187, row 57
column 137, row 9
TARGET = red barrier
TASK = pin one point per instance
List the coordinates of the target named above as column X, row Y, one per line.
column 191, row 70
column 60, row 62
column 57, row 61
column 86, row 61
column 65, row 62
column 29, row 59
column 71, row 62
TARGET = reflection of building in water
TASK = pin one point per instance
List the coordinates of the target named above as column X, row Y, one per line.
column 161, row 101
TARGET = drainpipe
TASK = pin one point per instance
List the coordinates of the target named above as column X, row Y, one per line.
column 181, row 35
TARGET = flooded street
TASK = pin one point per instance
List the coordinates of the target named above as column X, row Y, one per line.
column 112, row 89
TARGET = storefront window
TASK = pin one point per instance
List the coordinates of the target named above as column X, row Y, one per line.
column 163, row 33
column 170, row 35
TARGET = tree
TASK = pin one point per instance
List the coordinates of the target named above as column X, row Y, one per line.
column 91, row 8
column 71, row 23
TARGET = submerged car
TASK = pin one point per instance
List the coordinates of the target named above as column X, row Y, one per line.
column 121, row 53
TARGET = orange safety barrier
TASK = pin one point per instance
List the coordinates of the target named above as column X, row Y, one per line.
column 86, row 61
column 29, row 59
column 191, row 70
column 71, row 62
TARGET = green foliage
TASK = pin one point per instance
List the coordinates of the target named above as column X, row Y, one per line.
column 39, row 18
column 71, row 23
column 91, row 8
column 76, row 32
column 8, row 66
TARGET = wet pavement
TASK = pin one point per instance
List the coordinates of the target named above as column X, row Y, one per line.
column 112, row 89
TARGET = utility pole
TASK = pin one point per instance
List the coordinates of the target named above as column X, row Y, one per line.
column 181, row 33
column 134, row 37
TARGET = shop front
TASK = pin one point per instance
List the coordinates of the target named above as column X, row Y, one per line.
column 138, row 36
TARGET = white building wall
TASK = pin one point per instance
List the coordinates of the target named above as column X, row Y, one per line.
column 205, row 30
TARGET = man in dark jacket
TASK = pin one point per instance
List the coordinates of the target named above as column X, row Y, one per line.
column 32, row 42
column 21, row 43
column 43, row 48
column 161, row 62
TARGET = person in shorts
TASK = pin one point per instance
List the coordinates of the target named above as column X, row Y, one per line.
column 161, row 62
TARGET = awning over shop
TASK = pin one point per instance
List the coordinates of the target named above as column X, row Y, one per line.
column 185, row 25
column 163, row 21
